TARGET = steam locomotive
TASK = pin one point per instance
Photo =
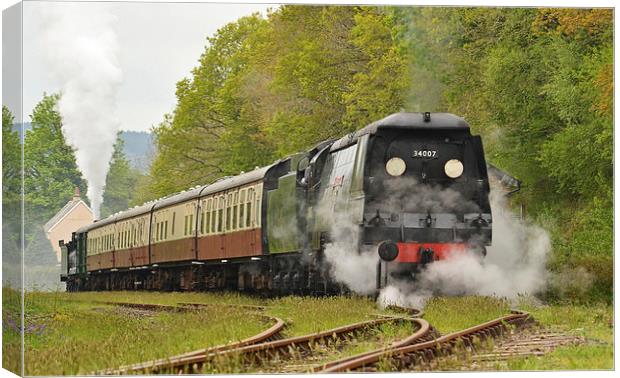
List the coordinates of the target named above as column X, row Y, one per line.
column 407, row 190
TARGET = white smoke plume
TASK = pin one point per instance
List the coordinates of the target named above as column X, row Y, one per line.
column 515, row 265
column 348, row 266
column 80, row 47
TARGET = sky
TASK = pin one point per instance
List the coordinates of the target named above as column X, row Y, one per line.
column 158, row 45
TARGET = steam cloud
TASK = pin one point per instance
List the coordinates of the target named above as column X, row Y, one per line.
column 81, row 48
column 515, row 264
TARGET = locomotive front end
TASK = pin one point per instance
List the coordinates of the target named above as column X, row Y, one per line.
column 426, row 193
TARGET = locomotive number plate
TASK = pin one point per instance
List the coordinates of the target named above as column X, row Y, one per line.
column 427, row 154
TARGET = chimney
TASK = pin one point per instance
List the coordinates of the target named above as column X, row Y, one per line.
column 76, row 195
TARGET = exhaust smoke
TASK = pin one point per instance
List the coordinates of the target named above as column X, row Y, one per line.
column 515, row 265
column 80, row 46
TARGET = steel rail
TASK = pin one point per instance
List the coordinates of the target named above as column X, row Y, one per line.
column 254, row 352
column 163, row 363
column 424, row 332
column 428, row 350
column 412, row 311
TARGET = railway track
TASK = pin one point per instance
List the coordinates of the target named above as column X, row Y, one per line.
column 262, row 347
column 258, row 353
column 171, row 363
column 423, row 346
column 416, row 353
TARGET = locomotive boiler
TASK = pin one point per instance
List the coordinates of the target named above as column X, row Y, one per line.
column 412, row 188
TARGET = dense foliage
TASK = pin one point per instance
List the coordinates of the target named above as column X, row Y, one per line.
column 50, row 169
column 120, row 182
column 50, row 176
column 11, row 200
column 269, row 87
column 536, row 83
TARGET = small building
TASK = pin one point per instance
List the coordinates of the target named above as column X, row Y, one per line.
column 73, row 215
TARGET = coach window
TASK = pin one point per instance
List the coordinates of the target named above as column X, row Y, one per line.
column 213, row 214
column 241, row 208
column 202, row 217
column 228, row 207
column 234, row 210
column 161, row 231
column 202, row 221
column 220, row 214
column 207, row 215
column 174, row 218
column 248, row 206
column 140, row 231
column 257, row 208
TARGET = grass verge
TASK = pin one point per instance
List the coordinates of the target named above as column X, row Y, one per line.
column 74, row 333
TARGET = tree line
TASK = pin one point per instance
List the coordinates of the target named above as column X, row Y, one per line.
column 536, row 83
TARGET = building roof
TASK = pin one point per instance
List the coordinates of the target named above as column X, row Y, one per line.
column 66, row 210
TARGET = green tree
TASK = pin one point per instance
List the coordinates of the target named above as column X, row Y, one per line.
column 266, row 88
column 11, row 159
column 11, row 200
column 50, row 170
column 190, row 147
column 120, row 182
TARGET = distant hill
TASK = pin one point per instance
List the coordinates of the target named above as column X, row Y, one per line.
column 139, row 147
